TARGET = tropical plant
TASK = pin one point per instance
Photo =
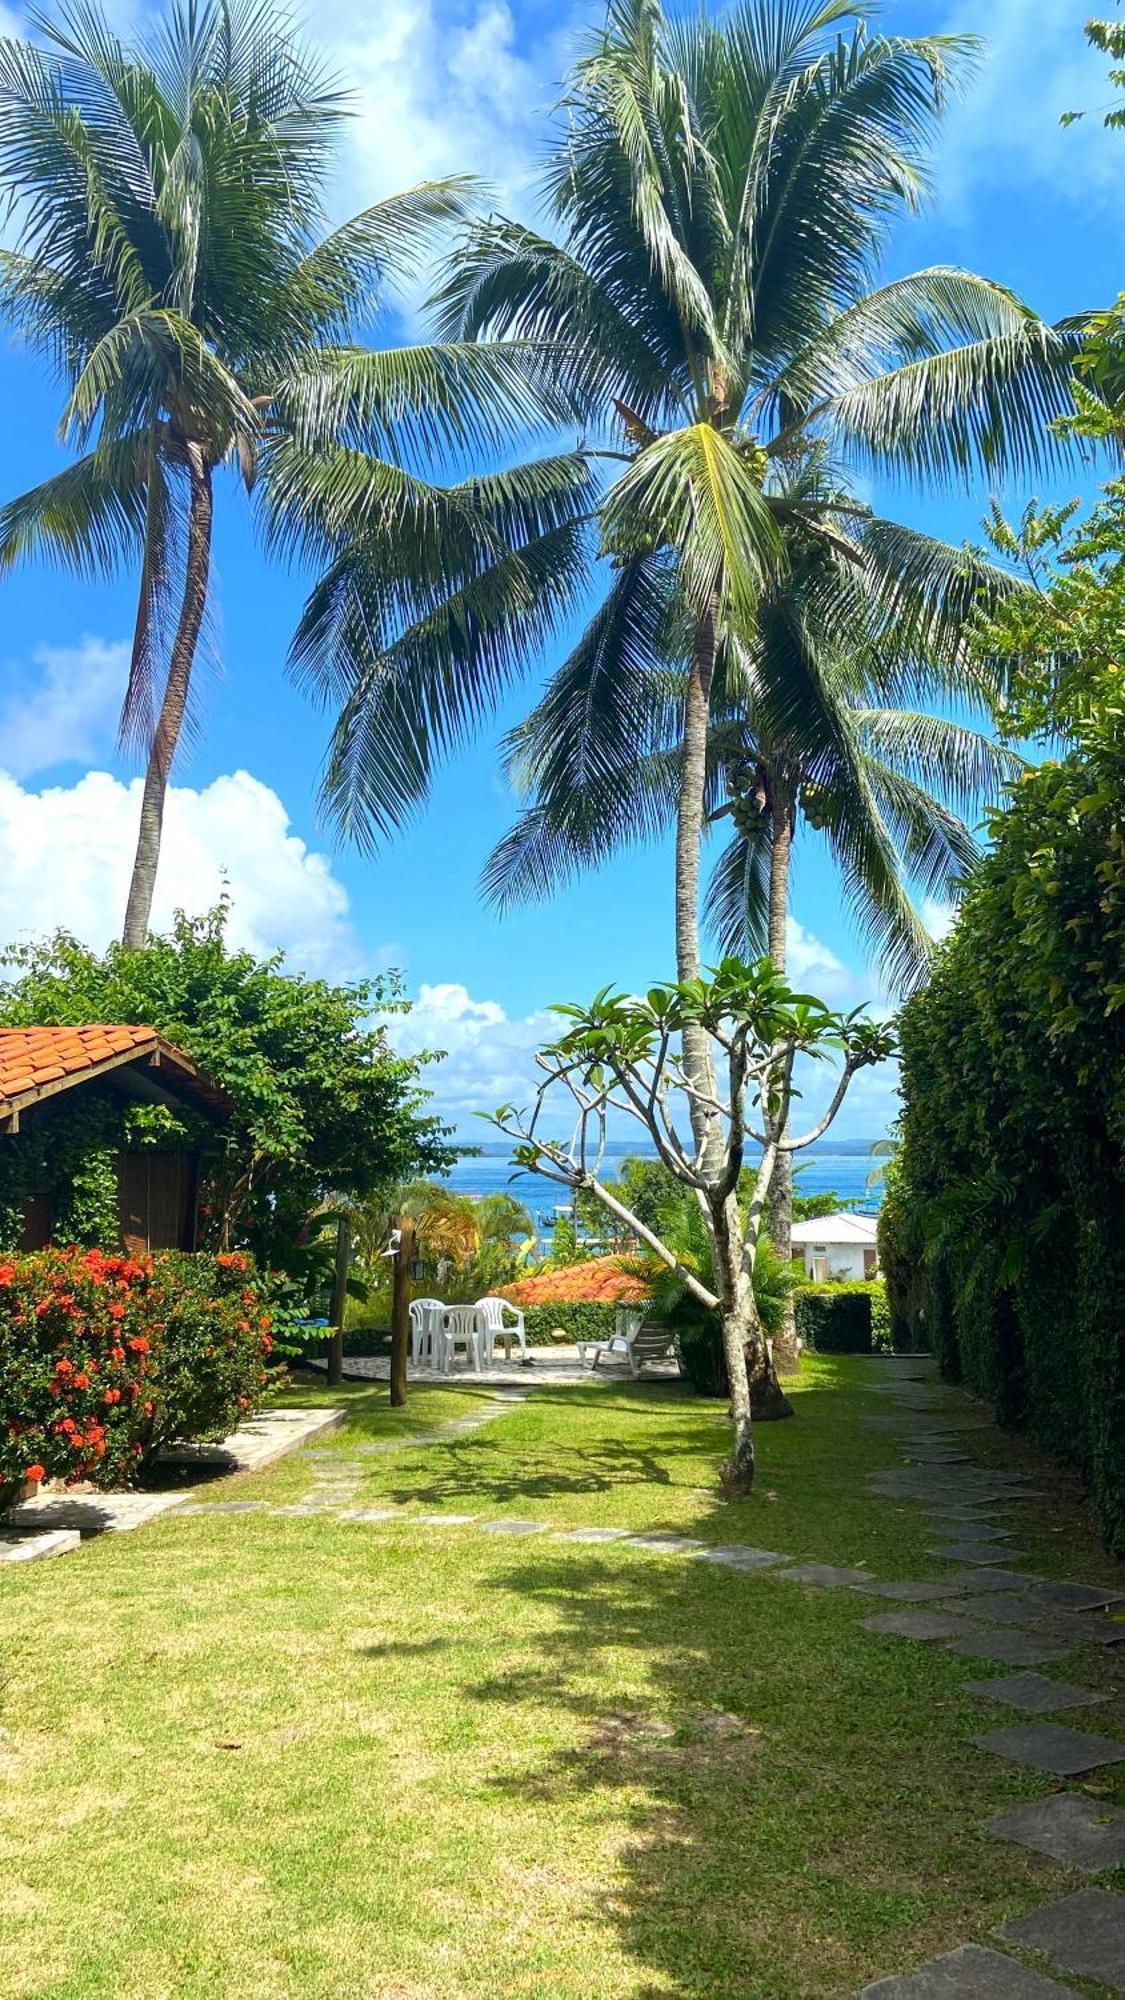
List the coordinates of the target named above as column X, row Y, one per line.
column 466, row 1244
column 172, row 266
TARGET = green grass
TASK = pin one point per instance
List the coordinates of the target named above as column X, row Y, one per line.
column 249, row 1758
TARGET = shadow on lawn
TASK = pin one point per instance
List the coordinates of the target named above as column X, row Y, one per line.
column 704, row 1736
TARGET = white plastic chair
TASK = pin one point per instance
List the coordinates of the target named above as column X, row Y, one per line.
column 497, row 1328
column 424, row 1325
column 463, row 1324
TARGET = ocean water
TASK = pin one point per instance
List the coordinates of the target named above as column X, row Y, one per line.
column 842, row 1168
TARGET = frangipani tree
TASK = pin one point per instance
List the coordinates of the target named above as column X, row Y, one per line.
column 624, row 1056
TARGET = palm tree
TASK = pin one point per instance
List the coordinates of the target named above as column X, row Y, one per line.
column 807, row 727
column 720, row 193
column 172, row 265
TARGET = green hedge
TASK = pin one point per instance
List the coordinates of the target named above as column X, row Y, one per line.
column 577, row 1321
column 1009, row 1188
column 847, row 1318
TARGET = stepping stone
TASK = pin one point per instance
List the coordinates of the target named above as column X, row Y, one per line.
column 1036, row 1694
column 442, row 1520
column 1051, row 1747
column 1007, row 1607
column 987, row 1578
column 969, row 1973
column 970, row 1517
column 908, row 1593
column 1083, row 1934
column 916, row 1625
column 983, row 1554
column 1079, row 1831
column 934, row 1454
column 514, row 1527
column 1006, row 1643
column 355, row 1513
column 592, row 1535
column 1074, row 1596
column 29, row 1548
column 826, row 1575
column 288, row 1513
column 222, row 1507
column 672, row 1545
column 738, row 1555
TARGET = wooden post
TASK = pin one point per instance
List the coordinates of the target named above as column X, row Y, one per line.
column 339, row 1304
column 400, row 1316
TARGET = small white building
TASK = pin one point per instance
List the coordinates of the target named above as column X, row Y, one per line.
column 837, row 1246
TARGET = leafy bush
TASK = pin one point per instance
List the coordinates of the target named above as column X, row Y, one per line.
column 103, row 1360
column 577, row 1319
column 836, row 1319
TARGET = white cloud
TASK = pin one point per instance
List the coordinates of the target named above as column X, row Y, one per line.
column 490, row 1059
column 939, row 918
column 66, row 853
column 1037, row 65
column 813, row 964
column 442, row 90
column 68, row 714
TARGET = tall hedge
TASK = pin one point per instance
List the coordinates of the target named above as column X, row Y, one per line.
column 1008, row 1210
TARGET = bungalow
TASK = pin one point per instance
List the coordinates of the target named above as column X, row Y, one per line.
column 838, row 1246
column 44, row 1072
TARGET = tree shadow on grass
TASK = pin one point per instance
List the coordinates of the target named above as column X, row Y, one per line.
column 726, row 1727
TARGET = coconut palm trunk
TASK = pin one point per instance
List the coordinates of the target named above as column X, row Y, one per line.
column 783, row 823
column 197, row 573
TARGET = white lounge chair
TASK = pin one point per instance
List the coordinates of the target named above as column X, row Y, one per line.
column 637, row 1341
column 498, row 1328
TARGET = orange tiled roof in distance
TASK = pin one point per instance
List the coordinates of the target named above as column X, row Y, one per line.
column 599, row 1281
column 31, row 1057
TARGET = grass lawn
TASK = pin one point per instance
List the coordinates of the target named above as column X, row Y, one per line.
column 249, row 1757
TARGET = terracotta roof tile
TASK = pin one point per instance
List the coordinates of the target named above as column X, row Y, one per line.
column 31, row 1057
column 600, row 1280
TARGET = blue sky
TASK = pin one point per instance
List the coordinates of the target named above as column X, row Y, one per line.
column 447, row 88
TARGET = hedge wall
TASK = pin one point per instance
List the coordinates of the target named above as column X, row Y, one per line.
column 1006, row 1224
column 848, row 1318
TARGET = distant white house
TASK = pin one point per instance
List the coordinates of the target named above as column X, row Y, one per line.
column 837, row 1246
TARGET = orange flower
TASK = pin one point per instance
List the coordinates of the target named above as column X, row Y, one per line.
column 116, row 1309
column 82, row 1381
column 7, row 1274
column 36, row 1472
column 112, row 1396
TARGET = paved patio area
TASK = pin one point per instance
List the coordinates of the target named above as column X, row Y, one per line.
column 545, row 1367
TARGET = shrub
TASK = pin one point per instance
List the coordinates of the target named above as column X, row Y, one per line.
column 1013, row 1154
column 103, row 1360
column 838, row 1319
column 578, row 1319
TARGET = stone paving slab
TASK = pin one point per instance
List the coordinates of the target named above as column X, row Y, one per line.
column 987, row 1578
column 36, row 1547
column 672, row 1545
column 353, row 1513
column 739, row 1555
column 969, row 1973
column 1079, row 1831
column 443, row 1520
column 916, row 1625
column 1083, row 1934
column 977, row 1554
column 1052, row 1747
column 1008, row 1644
column 592, row 1535
column 514, row 1527
column 904, row 1590
column 826, row 1576
column 1035, row 1693
column 221, row 1507
column 1074, row 1596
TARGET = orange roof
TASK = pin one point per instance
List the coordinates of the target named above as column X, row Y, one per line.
column 35, row 1060
column 599, row 1281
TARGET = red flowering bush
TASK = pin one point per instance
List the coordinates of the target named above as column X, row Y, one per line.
column 104, row 1359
